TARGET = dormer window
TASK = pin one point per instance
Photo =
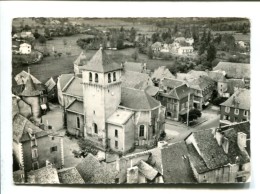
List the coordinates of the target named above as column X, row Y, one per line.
column 96, row 77
column 109, row 78
column 90, row 77
column 114, row 76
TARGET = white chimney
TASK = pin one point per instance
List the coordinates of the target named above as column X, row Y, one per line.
column 132, row 175
column 241, row 140
column 225, row 144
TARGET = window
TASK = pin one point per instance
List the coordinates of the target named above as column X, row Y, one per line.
column 95, row 128
column 96, row 77
column 236, row 111
column 116, row 144
column 78, row 122
column 114, row 76
column 35, row 165
column 116, row 133
column 90, row 77
column 53, row 149
column 227, row 109
column 245, row 112
column 33, row 143
column 34, row 153
column 141, row 131
column 109, row 78
column 52, row 138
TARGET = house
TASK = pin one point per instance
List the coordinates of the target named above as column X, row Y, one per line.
column 101, row 80
column 26, row 35
column 185, row 50
column 51, row 88
column 25, row 48
column 234, row 70
column 174, row 47
column 159, row 74
column 176, row 96
column 156, row 47
column 203, row 88
column 44, row 175
column 218, row 157
column 227, row 87
column 236, row 108
column 70, row 176
column 165, row 48
column 93, row 171
column 132, row 79
column 197, row 74
column 135, row 66
column 190, row 41
column 79, row 62
column 33, row 146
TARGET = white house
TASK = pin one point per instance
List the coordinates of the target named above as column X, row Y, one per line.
column 25, row 48
column 190, row 41
column 185, row 50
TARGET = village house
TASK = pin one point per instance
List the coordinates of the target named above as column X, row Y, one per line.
column 236, row 108
column 203, row 88
column 156, row 47
column 189, row 41
column 25, row 48
column 218, row 157
column 177, row 97
column 116, row 111
column 179, row 39
column 35, row 146
column 159, row 74
column 227, row 87
column 51, row 88
column 185, row 50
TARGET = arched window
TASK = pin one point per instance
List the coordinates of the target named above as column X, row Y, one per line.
column 109, row 78
column 96, row 77
column 141, row 131
column 95, row 128
column 90, row 77
column 114, row 76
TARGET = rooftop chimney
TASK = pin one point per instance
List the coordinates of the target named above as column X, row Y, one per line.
column 225, row 144
column 241, row 140
column 132, row 175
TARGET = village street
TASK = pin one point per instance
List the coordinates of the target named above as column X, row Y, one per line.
column 177, row 131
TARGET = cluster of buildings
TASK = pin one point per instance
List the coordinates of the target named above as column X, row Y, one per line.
column 19, row 46
column 180, row 46
column 120, row 107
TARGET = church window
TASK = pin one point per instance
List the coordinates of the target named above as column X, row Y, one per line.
column 90, row 77
column 141, row 131
column 96, row 77
column 114, row 76
column 109, row 78
column 95, row 128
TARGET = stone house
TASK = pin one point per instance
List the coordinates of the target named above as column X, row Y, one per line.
column 33, row 147
column 176, row 96
column 236, row 108
column 159, row 74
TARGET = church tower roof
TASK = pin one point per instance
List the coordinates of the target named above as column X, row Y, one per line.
column 101, row 63
column 29, row 88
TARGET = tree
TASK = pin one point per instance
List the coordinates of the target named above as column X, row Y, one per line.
column 135, row 55
column 47, row 32
column 132, row 34
column 155, row 37
column 193, row 115
column 211, row 53
column 150, row 53
column 42, row 40
column 27, row 27
column 120, row 41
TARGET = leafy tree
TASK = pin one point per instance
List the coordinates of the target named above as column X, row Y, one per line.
column 135, row 55
column 155, row 37
column 42, row 40
column 132, row 34
column 27, row 28
column 150, row 53
column 211, row 53
column 47, row 32
column 120, row 41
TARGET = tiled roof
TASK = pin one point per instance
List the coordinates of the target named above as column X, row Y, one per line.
column 18, row 127
column 152, row 90
column 137, row 99
column 239, row 127
column 133, row 66
column 232, row 83
column 100, row 62
column 148, row 171
column 161, row 73
column 64, row 79
column 176, row 166
column 76, row 106
column 70, row 176
column 120, row 117
column 234, row 70
column 45, row 175
column 197, row 74
column 240, row 99
column 22, row 77
column 74, row 87
column 81, row 60
column 94, row 172
column 50, row 84
column 135, row 80
column 217, row 75
column 30, row 88
column 201, row 83
column 212, row 154
column 157, row 45
column 172, row 83
column 184, row 77
column 180, row 92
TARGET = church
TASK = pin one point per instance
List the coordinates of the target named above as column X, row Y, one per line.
column 109, row 115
